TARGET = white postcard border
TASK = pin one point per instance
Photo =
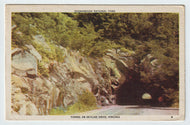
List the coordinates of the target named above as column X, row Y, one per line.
column 2, row 104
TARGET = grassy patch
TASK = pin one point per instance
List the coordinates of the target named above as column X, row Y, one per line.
column 86, row 102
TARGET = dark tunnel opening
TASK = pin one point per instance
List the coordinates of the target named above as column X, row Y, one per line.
column 130, row 93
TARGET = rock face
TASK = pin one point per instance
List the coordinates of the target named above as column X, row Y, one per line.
column 33, row 94
column 25, row 60
column 150, row 66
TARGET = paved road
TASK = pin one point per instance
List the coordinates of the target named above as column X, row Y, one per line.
column 132, row 110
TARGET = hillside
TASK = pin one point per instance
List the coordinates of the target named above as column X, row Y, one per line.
column 63, row 63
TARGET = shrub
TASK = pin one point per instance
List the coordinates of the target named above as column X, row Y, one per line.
column 42, row 70
column 86, row 101
column 57, row 111
column 87, row 98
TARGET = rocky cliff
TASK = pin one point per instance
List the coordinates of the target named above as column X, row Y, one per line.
column 33, row 94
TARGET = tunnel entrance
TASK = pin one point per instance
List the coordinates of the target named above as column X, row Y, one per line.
column 130, row 93
column 132, row 89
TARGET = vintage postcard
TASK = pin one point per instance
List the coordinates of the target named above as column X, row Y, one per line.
column 95, row 62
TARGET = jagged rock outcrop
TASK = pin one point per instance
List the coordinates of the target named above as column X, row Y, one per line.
column 25, row 61
column 33, row 94
column 149, row 67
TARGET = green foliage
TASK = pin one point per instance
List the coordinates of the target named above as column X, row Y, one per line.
column 99, row 49
column 62, row 31
column 92, row 34
column 46, row 53
column 86, row 101
column 87, row 98
column 175, row 99
column 22, row 29
column 42, row 70
column 172, row 96
column 57, row 111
